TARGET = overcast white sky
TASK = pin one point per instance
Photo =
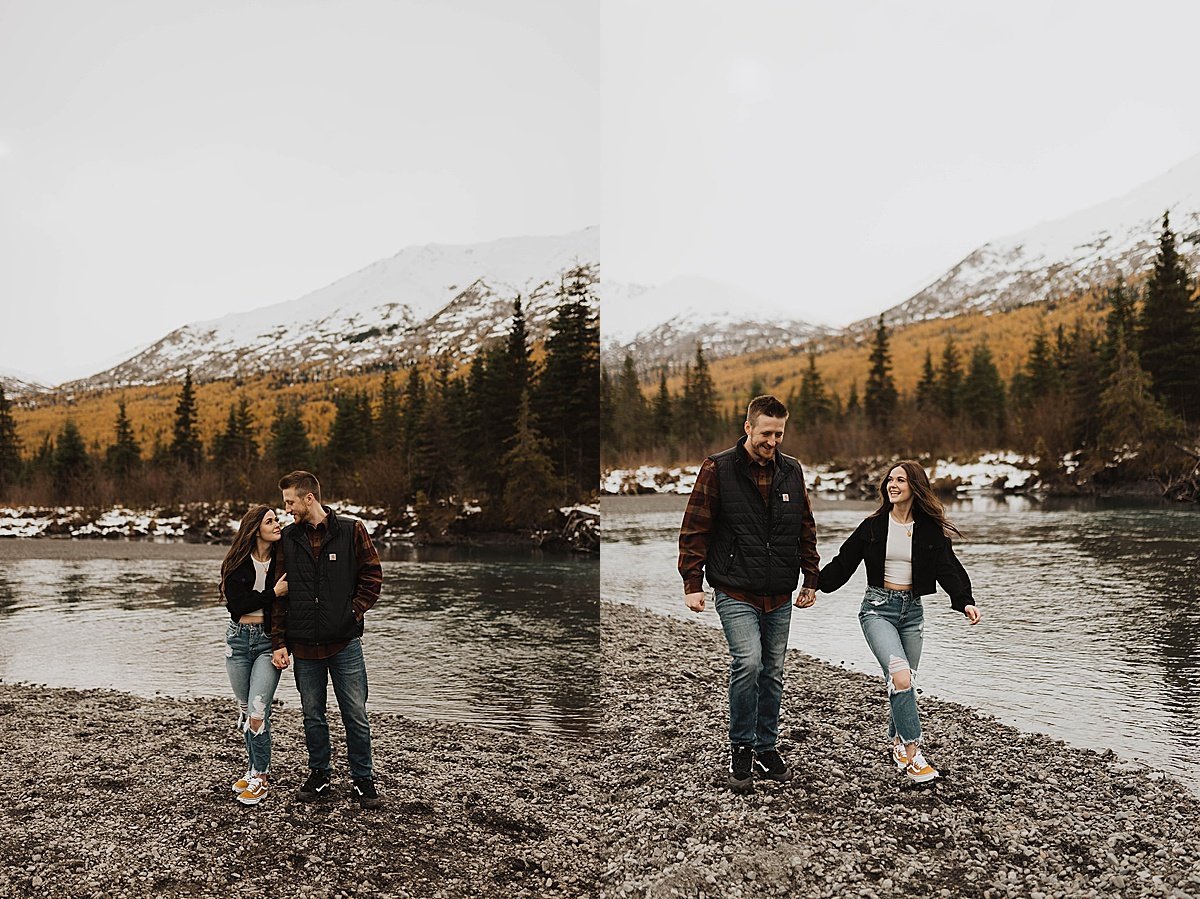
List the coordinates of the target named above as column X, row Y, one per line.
column 841, row 155
column 163, row 161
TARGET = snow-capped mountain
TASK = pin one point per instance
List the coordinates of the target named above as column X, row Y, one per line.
column 664, row 324
column 1055, row 259
column 18, row 385
column 424, row 300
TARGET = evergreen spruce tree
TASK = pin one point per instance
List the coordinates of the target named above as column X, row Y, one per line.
column 185, row 448
column 982, row 396
column 566, row 400
column 236, row 448
column 853, row 407
column 350, row 435
column 948, row 391
column 529, row 480
column 390, row 424
column 880, row 395
column 927, row 386
column 1083, row 384
column 10, row 444
column 71, row 463
column 1169, row 331
column 607, row 411
column 701, row 402
column 1045, row 379
column 661, row 422
column 414, row 405
column 289, row 447
column 518, row 364
column 813, row 405
column 1130, row 415
column 124, row 456
column 757, row 388
column 630, row 408
column 1121, row 320
column 490, row 386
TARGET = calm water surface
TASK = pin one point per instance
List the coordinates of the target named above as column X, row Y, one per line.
column 499, row 640
column 1091, row 629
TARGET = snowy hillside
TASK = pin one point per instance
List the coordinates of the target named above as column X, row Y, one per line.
column 664, row 324
column 424, row 300
column 1054, row 259
column 18, row 384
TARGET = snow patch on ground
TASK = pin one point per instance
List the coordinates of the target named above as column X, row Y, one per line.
column 991, row 473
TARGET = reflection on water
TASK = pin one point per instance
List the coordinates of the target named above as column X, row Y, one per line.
column 1091, row 630
column 484, row 638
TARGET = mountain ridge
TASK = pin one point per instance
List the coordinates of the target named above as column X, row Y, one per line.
column 426, row 299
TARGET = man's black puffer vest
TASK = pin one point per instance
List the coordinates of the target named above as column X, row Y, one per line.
column 319, row 609
column 755, row 546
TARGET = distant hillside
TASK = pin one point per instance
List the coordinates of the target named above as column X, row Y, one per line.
column 663, row 325
column 1008, row 335
column 151, row 409
column 1050, row 264
column 1076, row 254
column 427, row 300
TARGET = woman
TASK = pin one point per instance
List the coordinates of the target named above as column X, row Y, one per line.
column 249, row 587
column 906, row 545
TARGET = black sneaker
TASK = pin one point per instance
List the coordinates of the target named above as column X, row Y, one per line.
column 741, row 761
column 316, row 787
column 771, row 766
column 364, row 793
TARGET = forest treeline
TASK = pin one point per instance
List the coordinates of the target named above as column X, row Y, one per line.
column 1105, row 400
column 516, row 434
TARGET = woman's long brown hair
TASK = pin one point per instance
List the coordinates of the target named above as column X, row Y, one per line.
column 924, row 499
column 243, row 541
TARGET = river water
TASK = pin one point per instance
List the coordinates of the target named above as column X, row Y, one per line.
column 499, row 639
column 1091, row 629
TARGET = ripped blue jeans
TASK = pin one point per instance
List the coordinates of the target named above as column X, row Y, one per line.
column 254, row 679
column 893, row 622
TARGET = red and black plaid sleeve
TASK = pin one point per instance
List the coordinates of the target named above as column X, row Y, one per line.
column 703, row 506
column 369, row 579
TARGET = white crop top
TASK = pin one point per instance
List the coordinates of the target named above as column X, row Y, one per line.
column 260, row 573
column 897, row 561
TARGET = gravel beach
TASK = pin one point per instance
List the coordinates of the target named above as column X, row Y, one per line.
column 115, row 795
column 121, row 796
column 1015, row 814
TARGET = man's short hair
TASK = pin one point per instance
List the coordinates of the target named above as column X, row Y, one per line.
column 304, row 482
column 765, row 405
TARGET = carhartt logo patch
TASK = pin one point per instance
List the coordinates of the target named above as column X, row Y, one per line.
column 786, row 498
column 333, row 557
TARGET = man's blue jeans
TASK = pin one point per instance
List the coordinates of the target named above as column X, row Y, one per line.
column 254, row 679
column 348, row 671
column 757, row 647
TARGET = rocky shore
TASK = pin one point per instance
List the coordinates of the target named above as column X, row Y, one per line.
column 1015, row 815
column 113, row 795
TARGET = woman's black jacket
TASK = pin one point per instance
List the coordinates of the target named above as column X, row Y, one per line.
column 933, row 559
column 240, row 596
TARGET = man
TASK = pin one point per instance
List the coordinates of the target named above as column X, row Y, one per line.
column 334, row 577
column 749, row 528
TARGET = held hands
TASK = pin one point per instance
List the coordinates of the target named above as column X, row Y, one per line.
column 973, row 614
column 806, row 597
column 281, row 587
column 280, row 659
column 695, row 601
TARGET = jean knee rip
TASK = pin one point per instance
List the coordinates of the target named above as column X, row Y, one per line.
column 897, row 665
